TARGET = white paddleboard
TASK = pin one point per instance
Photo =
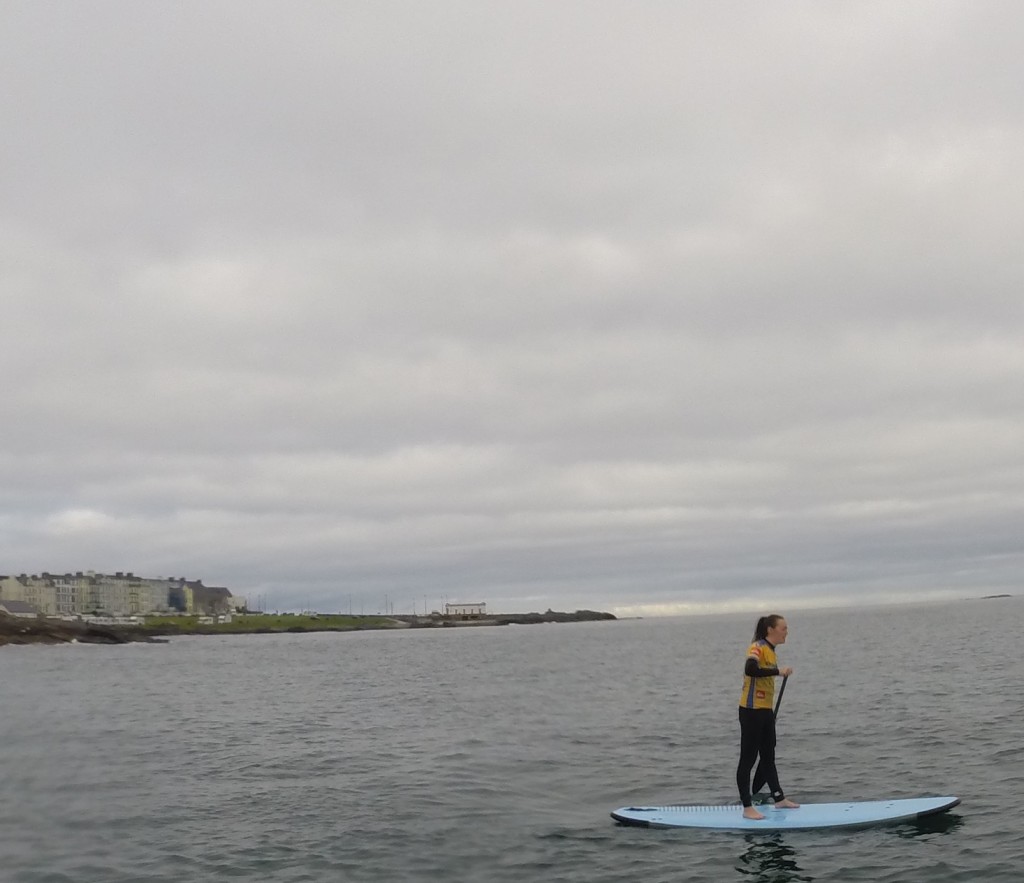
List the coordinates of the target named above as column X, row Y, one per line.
column 809, row 815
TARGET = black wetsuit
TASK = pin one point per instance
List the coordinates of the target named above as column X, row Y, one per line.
column 757, row 738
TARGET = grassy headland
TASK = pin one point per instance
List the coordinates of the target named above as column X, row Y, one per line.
column 265, row 623
column 43, row 630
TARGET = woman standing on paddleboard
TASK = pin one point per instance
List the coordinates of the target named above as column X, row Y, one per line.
column 757, row 714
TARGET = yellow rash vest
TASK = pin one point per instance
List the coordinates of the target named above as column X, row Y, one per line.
column 760, row 692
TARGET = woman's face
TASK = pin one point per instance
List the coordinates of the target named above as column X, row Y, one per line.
column 777, row 632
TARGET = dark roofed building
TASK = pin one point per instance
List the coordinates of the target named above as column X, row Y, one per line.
column 19, row 608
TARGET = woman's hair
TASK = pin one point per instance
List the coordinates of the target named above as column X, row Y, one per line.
column 765, row 623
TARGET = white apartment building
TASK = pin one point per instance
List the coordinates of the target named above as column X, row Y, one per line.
column 118, row 594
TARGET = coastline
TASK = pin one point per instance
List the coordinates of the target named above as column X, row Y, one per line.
column 42, row 630
column 17, row 630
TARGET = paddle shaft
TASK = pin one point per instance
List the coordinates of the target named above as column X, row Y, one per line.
column 758, row 781
column 782, row 690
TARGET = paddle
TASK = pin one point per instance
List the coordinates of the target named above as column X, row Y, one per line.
column 778, row 701
column 760, row 782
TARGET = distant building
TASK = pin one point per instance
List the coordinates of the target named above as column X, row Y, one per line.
column 35, row 590
column 19, row 608
column 191, row 596
column 118, row 594
column 72, row 591
column 466, row 611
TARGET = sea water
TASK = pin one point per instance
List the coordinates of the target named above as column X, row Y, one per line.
column 496, row 754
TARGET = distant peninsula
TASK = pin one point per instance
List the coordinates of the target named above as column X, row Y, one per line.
column 437, row 621
column 47, row 630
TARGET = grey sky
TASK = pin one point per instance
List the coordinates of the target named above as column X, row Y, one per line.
column 575, row 304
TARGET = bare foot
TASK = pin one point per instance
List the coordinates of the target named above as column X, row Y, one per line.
column 750, row 813
column 787, row 804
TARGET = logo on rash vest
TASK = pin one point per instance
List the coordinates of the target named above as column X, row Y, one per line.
column 760, row 694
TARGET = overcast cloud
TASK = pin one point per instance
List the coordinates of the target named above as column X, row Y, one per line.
column 629, row 306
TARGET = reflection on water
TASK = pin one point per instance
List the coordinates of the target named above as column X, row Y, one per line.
column 768, row 859
column 941, row 823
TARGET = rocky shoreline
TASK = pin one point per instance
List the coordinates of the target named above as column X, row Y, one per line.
column 19, row 630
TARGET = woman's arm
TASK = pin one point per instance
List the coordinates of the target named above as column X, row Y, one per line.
column 753, row 670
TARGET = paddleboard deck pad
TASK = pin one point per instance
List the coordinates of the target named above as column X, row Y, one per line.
column 809, row 815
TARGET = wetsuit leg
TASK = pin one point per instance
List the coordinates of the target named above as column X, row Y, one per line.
column 752, row 724
column 766, row 770
column 759, row 780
